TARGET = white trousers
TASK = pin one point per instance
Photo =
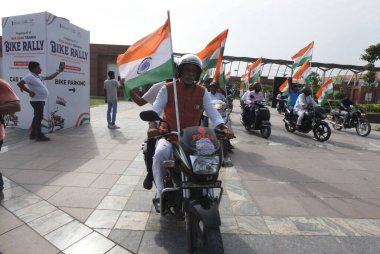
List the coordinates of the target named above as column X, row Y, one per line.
column 163, row 152
column 301, row 114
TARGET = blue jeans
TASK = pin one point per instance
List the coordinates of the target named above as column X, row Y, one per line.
column 111, row 118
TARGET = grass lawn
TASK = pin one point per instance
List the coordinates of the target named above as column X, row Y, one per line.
column 95, row 101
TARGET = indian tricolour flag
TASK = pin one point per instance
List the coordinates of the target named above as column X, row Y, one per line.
column 325, row 89
column 303, row 55
column 303, row 72
column 254, row 70
column 210, row 54
column 60, row 101
column 147, row 61
column 227, row 76
column 284, row 86
column 244, row 83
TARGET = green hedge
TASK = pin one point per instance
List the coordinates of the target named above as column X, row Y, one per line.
column 370, row 108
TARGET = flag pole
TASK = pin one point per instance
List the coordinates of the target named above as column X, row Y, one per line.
column 174, row 80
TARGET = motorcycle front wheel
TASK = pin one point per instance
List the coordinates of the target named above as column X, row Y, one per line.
column 363, row 128
column 51, row 126
column 290, row 128
column 204, row 239
column 338, row 122
column 265, row 131
column 322, row 131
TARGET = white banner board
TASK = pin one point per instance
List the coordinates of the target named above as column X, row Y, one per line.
column 49, row 40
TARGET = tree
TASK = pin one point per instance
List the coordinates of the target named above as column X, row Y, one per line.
column 371, row 55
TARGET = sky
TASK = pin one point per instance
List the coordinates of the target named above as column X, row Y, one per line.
column 274, row 29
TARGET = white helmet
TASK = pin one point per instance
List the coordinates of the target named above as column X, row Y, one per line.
column 190, row 59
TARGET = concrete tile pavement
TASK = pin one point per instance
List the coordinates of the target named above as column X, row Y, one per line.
column 86, row 184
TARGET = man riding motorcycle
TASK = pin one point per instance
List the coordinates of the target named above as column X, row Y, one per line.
column 214, row 95
column 345, row 108
column 303, row 102
column 192, row 100
column 252, row 97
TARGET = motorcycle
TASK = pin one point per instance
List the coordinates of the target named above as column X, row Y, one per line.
column 256, row 116
column 230, row 98
column 312, row 120
column 224, row 112
column 282, row 105
column 357, row 119
column 55, row 120
column 191, row 182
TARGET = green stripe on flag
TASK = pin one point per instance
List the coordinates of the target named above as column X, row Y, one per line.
column 301, row 62
column 160, row 73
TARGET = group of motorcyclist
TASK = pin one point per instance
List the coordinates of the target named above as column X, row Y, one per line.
column 194, row 103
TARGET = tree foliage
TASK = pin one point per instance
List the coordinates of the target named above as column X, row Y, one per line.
column 371, row 55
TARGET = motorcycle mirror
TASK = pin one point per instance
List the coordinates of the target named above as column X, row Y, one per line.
column 149, row 116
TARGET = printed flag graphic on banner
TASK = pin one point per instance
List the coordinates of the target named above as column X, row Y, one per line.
column 147, row 61
column 60, row 101
column 210, row 54
column 325, row 89
column 303, row 72
column 303, row 55
column 254, row 70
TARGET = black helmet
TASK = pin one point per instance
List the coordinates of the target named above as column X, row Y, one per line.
column 307, row 91
column 257, row 86
column 190, row 59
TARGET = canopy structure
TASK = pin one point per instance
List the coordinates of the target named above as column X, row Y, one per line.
column 282, row 68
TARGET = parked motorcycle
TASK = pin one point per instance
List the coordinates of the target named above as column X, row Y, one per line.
column 356, row 119
column 191, row 184
column 313, row 120
column 55, row 120
column 282, row 105
column 256, row 116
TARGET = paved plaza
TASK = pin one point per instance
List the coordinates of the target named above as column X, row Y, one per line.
column 82, row 192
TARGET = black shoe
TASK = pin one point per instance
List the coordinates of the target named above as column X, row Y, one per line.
column 156, row 203
column 43, row 138
column 148, row 182
column 31, row 137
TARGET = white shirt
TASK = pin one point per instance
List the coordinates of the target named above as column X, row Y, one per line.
column 111, row 86
column 253, row 96
column 217, row 96
column 35, row 84
column 151, row 95
column 303, row 100
column 162, row 98
column 244, row 97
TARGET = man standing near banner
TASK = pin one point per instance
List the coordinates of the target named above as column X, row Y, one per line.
column 192, row 100
column 110, row 88
column 38, row 93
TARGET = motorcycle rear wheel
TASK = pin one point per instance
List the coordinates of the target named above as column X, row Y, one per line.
column 322, row 131
column 363, row 128
column 265, row 131
column 204, row 239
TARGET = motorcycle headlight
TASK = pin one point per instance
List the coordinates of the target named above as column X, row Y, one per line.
column 323, row 116
column 218, row 106
column 205, row 165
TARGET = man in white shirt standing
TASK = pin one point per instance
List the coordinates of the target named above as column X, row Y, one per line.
column 38, row 93
column 110, row 87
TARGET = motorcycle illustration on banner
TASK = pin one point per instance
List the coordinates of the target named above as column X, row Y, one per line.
column 10, row 120
column 55, row 120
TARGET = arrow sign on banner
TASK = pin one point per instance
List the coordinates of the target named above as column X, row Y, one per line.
column 72, row 89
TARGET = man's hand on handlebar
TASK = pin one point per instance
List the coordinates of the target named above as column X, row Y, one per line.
column 153, row 130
